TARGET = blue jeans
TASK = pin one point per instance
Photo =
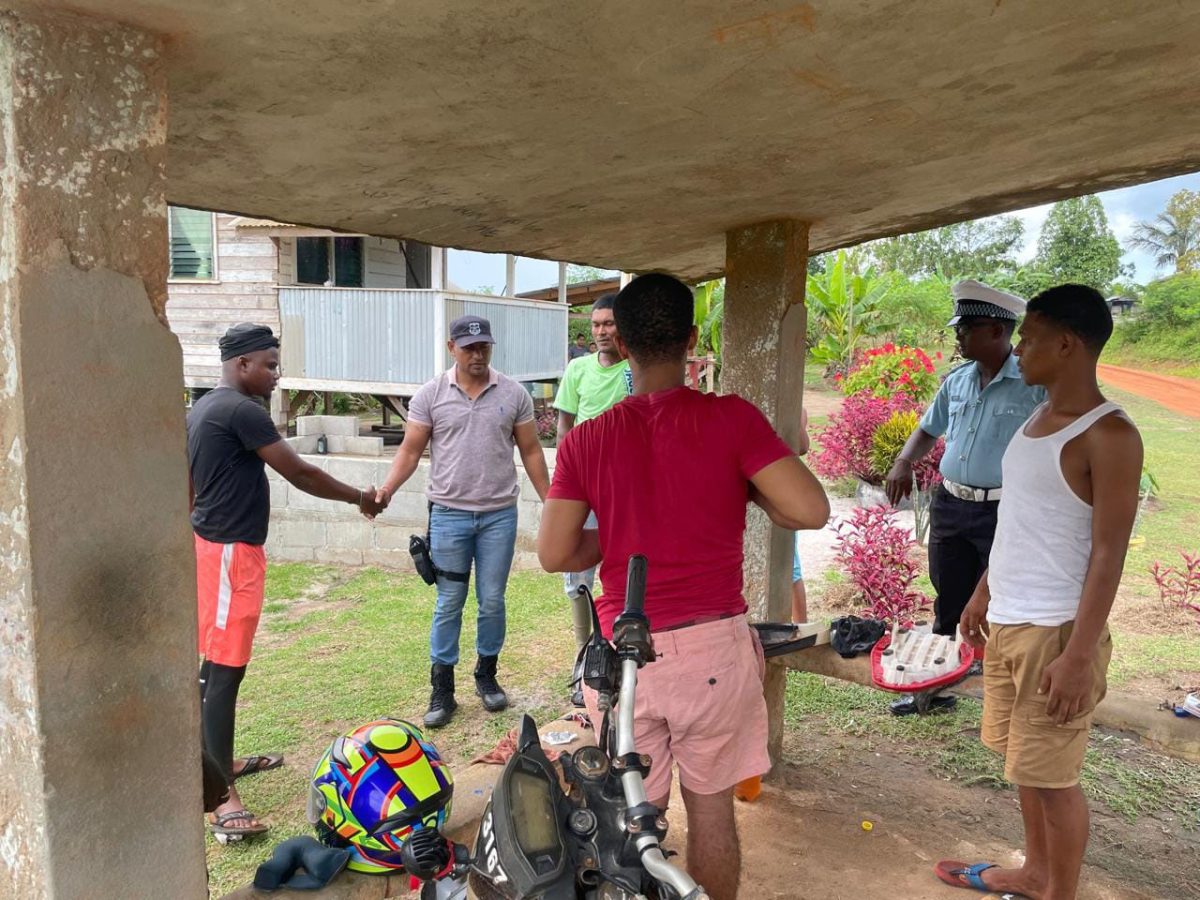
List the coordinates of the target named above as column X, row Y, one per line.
column 458, row 538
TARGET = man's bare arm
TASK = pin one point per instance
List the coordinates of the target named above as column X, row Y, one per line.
column 408, row 456
column 563, row 545
column 287, row 462
column 1114, row 456
column 532, row 457
column 899, row 479
column 790, row 495
column 566, row 421
column 973, row 623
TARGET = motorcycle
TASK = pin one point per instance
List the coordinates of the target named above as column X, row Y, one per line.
column 579, row 828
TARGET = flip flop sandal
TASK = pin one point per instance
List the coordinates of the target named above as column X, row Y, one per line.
column 224, row 833
column 252, row 765
column 959, row 874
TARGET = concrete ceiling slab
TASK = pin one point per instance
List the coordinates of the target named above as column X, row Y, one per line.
column 632, row 135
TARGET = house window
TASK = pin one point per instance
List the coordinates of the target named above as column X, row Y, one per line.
column 348, row 261
column 312, row 260
column 191, row 235
column 336, row 261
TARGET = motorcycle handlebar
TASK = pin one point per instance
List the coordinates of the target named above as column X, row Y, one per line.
column 635, row 586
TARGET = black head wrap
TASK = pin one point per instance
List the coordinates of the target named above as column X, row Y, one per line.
column 246, row 338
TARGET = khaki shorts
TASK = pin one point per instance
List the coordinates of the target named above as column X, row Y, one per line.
column 700, row 706
column 1037, row 752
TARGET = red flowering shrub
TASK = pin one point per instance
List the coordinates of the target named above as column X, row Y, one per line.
column 845, row 444
column 892, row 369
column 547, row 424
column 1179, row 587
column 878, row 556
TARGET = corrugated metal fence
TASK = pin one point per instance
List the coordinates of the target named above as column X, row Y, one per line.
column 396, row 337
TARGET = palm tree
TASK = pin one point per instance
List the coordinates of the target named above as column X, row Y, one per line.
column 1173, row 238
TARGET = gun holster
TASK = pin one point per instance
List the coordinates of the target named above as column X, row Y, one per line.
column 420, row 549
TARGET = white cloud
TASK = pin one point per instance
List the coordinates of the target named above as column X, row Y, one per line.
column 1033, row 218
column 1125, row 207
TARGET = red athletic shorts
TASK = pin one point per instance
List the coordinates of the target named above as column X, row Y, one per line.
column 229, row 595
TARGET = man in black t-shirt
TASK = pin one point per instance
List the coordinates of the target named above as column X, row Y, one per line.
column 230, row 440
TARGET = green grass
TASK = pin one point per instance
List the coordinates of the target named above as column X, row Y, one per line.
column 1153, row 656
column 363, row 653
column 287, row 581
column 1130, row 781
column 1173, row 456
column 1169, row 350
column 948, row 742
column 338, row 666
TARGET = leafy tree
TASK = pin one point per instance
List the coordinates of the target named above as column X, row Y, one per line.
column 962, row 250
column 1172, row 302
column 1077, row 244
column 915, row 311
column 1173, row 238
column 1026, row 281
column 577, row 274
column 1130, row 289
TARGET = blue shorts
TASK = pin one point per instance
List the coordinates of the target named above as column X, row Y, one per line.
column 797, row 571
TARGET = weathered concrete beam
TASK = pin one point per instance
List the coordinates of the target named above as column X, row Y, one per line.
column 99, row 738
column 763, row 350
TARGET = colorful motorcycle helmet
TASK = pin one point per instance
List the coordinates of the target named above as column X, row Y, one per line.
column 373, row 787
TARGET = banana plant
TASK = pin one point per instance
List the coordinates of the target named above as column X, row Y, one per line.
column 843, row 308
column 710, row 314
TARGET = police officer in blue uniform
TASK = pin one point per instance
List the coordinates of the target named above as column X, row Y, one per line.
column 978, row 408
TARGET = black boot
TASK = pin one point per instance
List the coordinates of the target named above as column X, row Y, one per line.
column 441, row 699
column 486, row 686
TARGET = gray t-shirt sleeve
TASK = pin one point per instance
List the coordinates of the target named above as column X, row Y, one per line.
column 420, row 407
column 524, row 409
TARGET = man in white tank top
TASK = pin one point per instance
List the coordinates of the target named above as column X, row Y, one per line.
column 1071, row 478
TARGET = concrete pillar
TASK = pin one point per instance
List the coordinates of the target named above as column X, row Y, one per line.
column 99, row 736
column 763, row 353
column 510, row 275
column 281, row 410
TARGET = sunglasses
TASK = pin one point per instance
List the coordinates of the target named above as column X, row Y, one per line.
column 966, row 325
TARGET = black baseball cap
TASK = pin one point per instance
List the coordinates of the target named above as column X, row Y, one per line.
column 468, row 330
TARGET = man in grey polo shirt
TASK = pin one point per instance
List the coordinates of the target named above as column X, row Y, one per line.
column 470, row 417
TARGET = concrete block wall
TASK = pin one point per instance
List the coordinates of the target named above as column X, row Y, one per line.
column 308, row 529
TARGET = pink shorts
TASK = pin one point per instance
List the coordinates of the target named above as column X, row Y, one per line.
column 700, row 705
column 230, row 579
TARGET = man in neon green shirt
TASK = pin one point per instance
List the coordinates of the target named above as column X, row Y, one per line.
column 594, row 383
column 591, row 385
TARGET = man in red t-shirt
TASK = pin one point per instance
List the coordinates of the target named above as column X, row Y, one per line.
column 669, row 472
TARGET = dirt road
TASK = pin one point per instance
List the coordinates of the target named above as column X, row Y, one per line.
column 1179, row 394
column 803, row 839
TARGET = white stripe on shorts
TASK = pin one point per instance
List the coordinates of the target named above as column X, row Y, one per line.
column 225, row 593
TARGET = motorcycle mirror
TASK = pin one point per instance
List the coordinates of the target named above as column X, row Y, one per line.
column 528, row 735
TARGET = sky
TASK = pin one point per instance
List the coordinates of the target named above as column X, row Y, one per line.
column 1125, row 208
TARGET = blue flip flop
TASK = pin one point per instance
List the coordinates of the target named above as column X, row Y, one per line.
column 955, row 874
